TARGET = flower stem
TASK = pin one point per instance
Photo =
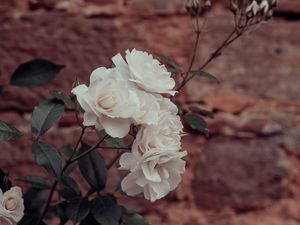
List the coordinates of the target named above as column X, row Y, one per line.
column 68, row 163
column 215, row 54
column 114, row 160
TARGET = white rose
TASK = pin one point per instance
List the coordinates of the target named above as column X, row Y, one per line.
column 165, row 134
column 264, row 6
column 252, row 9
column 108, row 102
column 167, row 105
column 12, row 206
column 148, row 110
column 145, row 71
column 154, row 173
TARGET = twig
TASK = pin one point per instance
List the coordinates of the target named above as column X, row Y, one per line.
column 115, row 159
column 88, row 151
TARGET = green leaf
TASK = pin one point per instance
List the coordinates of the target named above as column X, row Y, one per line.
column 34, row 73
column 172, row 66
column 134, row 219
column 37, row 182
column 66, row 152
column 202, row 112
column 196, row 123
column 71, row 184
column 5, row 183
column 106, row 210
column 205, row 75
column 34, row 199
column 45, row 115
column 68, row 193
column 93, row 168
column 114, row 142
column 46, row 156
column 89, row 220
column 61, row 212
column 65, row 99
column 30, row 220
column 78, row 209
column 8, row 132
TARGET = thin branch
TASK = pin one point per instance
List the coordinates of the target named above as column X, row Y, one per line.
column 114, row 160
column 46, row 208
column 68, row 163
column 88, row 151
column 215, row 54
column 78, row 142
column 118, row 148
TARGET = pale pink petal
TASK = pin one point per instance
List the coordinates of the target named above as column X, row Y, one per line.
column 89, row 119
column 116, row 127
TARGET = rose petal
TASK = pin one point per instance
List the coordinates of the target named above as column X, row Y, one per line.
column 116, row 127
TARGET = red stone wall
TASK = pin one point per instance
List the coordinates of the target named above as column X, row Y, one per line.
column 247, row 173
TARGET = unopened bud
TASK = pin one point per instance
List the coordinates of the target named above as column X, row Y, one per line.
column 273, row 3
column 75, row 83
column 252, row 9
column 264, row 7
column 269, row 14
column 192, row 6
column 207, row 4
column 233, row 8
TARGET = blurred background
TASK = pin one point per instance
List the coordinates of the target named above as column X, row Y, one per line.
column 247, row 172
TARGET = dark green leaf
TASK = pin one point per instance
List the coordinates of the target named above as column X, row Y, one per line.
column 93, row 168
column 66, row 151
column 68, row 193
column 45, row 115
column 106, row 210
column 34, row 200
column 37, row 182
column 65, row 99
column 173, row 67
column 5, row 183
column 134, row 219
column 30, row 220
column 78, row 209
column 206, row 75
column 89, row 220
column 71, row 184
column 8, row 132
column 202, row 112
column 34, row 73
column 61, row 212
column 114, row 142
column 196, row 123
column 46, row 156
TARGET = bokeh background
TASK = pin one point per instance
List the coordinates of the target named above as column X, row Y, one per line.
column 248, row 172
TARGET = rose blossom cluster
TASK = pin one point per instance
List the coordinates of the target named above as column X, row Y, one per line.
column 131, row 94
column 11, row 206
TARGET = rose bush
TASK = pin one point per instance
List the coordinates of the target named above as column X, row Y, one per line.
column 131, row 107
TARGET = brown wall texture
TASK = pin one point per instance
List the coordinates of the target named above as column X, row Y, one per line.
column 248, row 172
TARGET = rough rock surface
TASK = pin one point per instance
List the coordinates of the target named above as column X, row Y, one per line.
column 247, row 173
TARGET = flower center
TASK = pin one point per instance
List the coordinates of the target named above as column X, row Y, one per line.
column 11, row 204
column 106, row 102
